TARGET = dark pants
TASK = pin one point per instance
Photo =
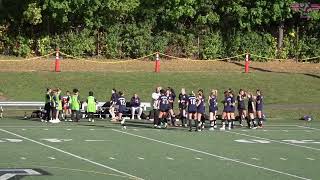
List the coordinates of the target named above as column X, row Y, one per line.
column 90, row 115
column 75, row 115
column 154, row 114
column 47, row 108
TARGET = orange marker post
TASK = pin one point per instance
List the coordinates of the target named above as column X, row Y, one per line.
column 157, row 63
column 246, row 66
column 57, row 63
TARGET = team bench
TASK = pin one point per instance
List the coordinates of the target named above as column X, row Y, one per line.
column 102, row 108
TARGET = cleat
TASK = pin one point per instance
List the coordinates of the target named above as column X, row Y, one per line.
column 165, row 125
column 222, row 129
column 185, row 125
column 215, row 126
column 124, row 127
column 211, row 129
column 89, row 120
column 155, row 126
column 254, row 128
column 92, row 120
column 229, row 128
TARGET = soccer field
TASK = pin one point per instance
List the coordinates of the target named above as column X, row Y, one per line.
column 102, row 150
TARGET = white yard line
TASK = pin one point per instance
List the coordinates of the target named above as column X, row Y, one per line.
column 306, row 127
column 213, row 155
column 281, row 142
column 73, row 155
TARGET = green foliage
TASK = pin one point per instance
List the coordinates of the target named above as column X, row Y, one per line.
column 22, row 46
column 212, row 46
column 133, row 28
column 76, row 43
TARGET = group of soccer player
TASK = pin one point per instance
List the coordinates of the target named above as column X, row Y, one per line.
column 192, row 109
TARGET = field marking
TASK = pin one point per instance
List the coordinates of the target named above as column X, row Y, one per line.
column 73, row 155
column 92, row 140
column 51, row 158
column 169, row 158
column 46, row 129
column 198, row 158
column 281, row 142
column 68, row 129
column 255, row 159
column 141, row 158
column 306, row 127
column 23, row 158
column 311, row 159
column 213, row 155
column 284, row 159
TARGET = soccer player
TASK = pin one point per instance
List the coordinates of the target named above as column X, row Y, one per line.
column 226, row 111
column 163, row 104
column 241, row 106
column 213, row 108
column 113, row 101
column 66, row 105
column 91, row 106
column 59, row 106
column 259, row 108
column 47, row 106
column 192, row 110
column 171, row 98
column 251, row 110
column 232, row 107
column 154, row 113
column 121, row 103
column 55, row 106
column 135, row 106
column 183, row 98
column 75, row 106
column 200, row 110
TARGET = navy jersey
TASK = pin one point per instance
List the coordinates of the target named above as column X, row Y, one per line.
column 192, row 104
column 213, row 105
column 183, row 99
column 171, row 99
column 227, row 104
column 201, row 106
column 250, row 105
column 135, row 102
column 259, row 103
column 114, row 97
column 241, row 104
column 163, row 103
column 121, row 102
column 233, row 108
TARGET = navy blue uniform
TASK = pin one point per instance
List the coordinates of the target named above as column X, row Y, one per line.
column 250, row 105
column 201, row 106
column 213, row 105
column 241, row 103
column 135, row 102
column 171, row 99
column 227, row 104
column 183, row 99
column 192, row 104
column 114, row 97
column 259, row 103
column 233, row 108
column 121, row 102
column 163, row 103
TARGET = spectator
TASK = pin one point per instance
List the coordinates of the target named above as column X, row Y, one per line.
column 135, row 106
column 75, row 106
column 47, row 106
column 113, row 101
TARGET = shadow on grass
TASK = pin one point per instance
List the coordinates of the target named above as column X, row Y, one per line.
column 266, row 70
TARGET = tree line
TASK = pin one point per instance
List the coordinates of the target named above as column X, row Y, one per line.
column 201, row 29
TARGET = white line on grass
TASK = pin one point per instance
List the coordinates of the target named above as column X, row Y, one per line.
column 71, row 154
column 306, row 127
column 281, row 142
column 311, row 159
column 255, row 159
column 198, row 158
column 284, row 159
column 169, row 158
column 51, row 158
column 141, row 158
column 213, row 155
column 92, row 140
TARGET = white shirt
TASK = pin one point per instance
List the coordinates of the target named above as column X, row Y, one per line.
column 155, row 97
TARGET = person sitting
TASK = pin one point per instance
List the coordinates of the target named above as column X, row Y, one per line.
column 135, row 106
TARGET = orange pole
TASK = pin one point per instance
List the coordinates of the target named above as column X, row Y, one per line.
column 57, row 63
column 157, row 63
column 246, row 66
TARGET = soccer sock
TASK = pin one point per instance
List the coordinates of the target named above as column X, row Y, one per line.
column 214, row 122
column 197, row 124
column 229, row 123
column 232, row 123
column 248, row 122
column 211, row 123
column 190, row 123
column 182, row 120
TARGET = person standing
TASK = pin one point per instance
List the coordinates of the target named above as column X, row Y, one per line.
column 113, row 101
column 47, row 106
column 135, row 106
column 75, row 106
column 154, row 113
column 259, row 108
column 121, row 103
column 183, row 98
column 91, row 106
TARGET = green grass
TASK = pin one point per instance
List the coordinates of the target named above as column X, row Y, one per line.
column 160, row 154
column 279, row 88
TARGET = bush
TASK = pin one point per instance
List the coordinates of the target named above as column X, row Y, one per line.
column 22, row 46
column 44, row 45
column 76, row 43
column 212, row 46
